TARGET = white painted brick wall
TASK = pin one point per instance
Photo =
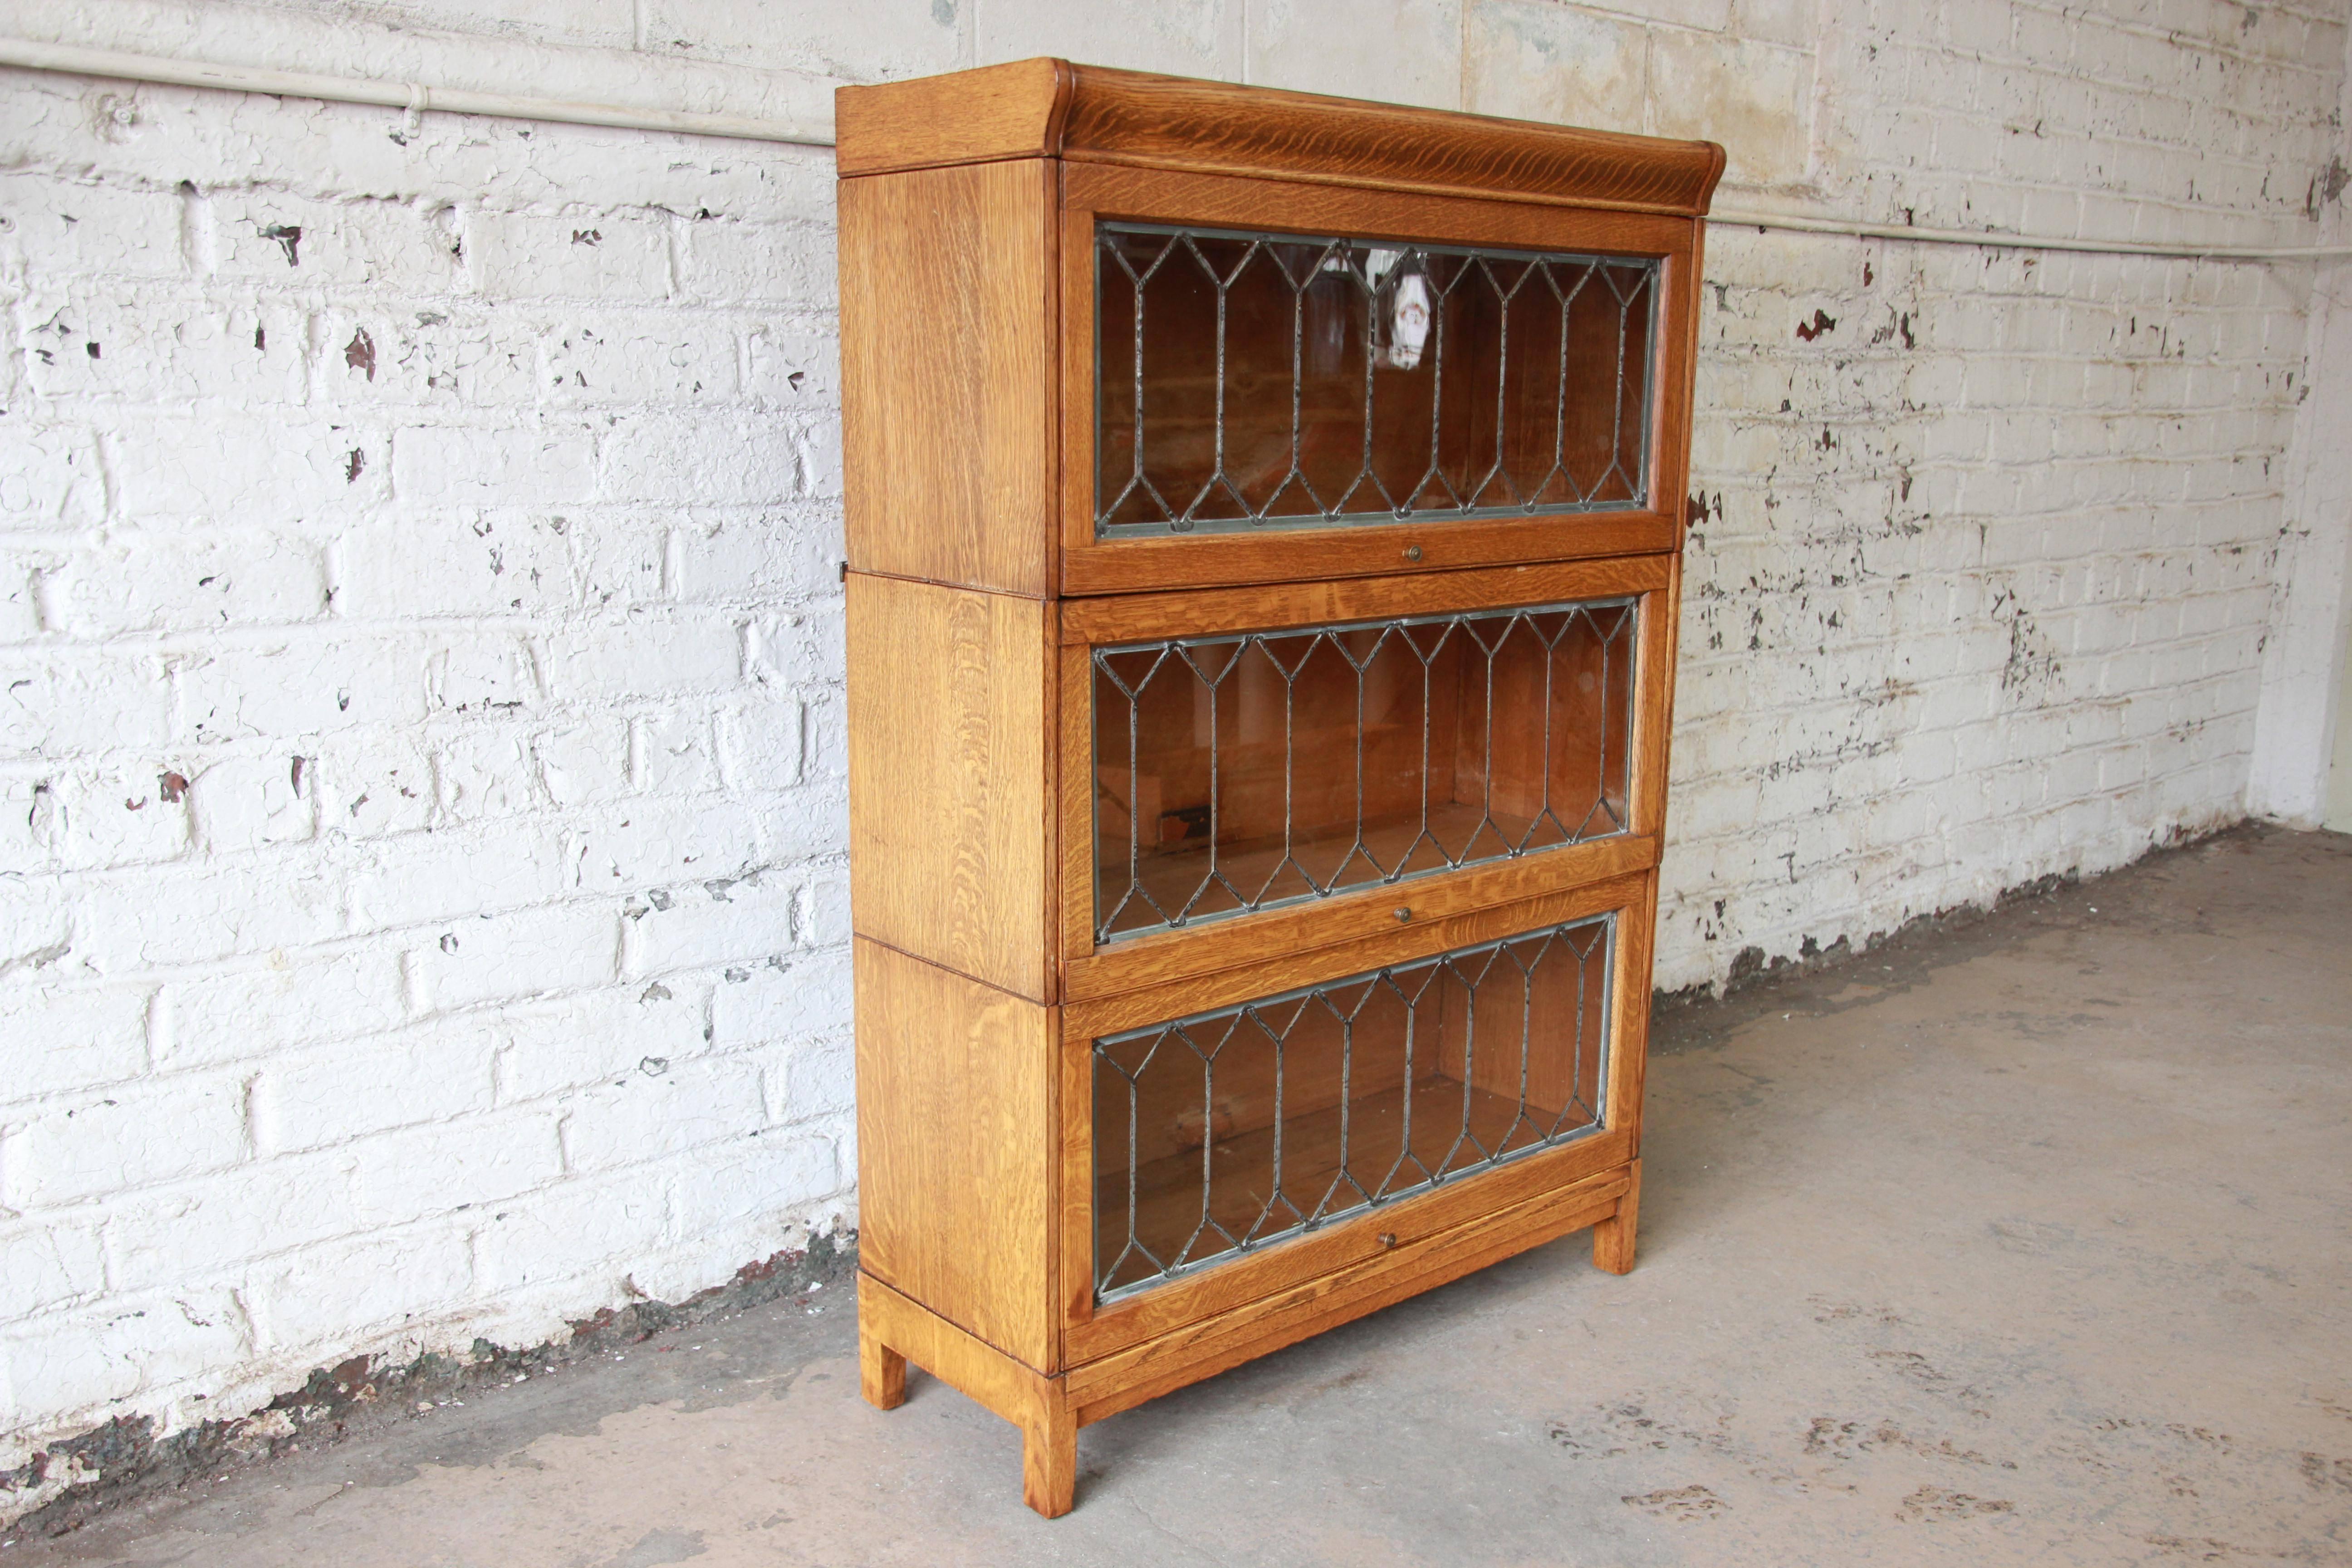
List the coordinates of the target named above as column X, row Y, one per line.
column 472, row 558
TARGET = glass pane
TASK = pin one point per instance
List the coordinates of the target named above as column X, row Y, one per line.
column 1252, row 380
column 1219, row 1134
column 1243, row 771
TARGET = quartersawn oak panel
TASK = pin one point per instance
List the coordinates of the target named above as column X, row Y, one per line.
column 1046, row 107
column 949, row 822
column 947, row 349
column 956, row 1155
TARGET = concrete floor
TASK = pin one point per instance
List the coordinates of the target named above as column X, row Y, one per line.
column 2023, row 1242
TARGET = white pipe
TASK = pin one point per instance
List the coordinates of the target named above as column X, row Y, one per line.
column 1993, row 239
column 416, row 96
column 412, row 96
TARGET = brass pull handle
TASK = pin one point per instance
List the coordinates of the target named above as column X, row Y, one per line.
column 1413, row 553
column 1388, row 1238
column 1402, row 914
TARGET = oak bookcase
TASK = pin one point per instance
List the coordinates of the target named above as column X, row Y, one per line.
column 1264, row 527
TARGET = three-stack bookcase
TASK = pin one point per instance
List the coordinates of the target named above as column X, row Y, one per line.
column 1264, row 523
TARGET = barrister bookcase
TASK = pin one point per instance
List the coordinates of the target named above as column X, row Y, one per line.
column 1264, row 522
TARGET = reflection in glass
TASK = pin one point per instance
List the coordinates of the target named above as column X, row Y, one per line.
column 1219, row 1134
column 1249, row 380
column 1241, row 771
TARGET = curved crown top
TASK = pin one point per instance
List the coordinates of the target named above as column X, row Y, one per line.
column 1052, row 108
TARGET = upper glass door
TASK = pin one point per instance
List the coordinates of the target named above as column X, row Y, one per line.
column 1268, row 381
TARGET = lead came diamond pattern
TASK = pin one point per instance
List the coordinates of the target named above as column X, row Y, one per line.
column 1226, row 1131
column 1252, row 380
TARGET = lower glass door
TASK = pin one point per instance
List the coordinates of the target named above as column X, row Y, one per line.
column 1218, row 1134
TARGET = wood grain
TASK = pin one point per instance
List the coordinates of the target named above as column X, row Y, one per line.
column 1302, row 929
column 947, row 348
column 948, row 778
column 1264, row 1276
column 1142, row 617
column 881, row 1371
column 957, row 1150
column 1116, row 116
column 1049, row 1456
column 1009, row 110
column 1036, row 1403
column 1612, row 1238
column 1145, row 1370
column 1395, row 943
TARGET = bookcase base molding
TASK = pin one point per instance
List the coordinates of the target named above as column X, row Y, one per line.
column 894, row 1332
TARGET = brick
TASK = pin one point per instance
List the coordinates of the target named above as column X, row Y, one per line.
column 43, row 1266
column 318, row 1301
column 799, row 372
column 610, row 257
column 600, row 1039
column 1400, row 51
column 645, row 656
column 269, row 469
column 171, row 584
column 456, row 563
column 780, row 1000
column 668, row 459
column 533, row 1240
column 246, row 801
column 67, row 702
column 452, row 876
column 288, row 1000
column 666, row 843
column 49, row 477
column 547, row 464
column 633, row 360
column 481, row 673
column 88, row 1037
column 164, row 1236
column 744, row 922
column 764, row 743
column 100, row 1145
column 88, row 817
column 374, row 782
column 321, row 1098
column 473, row 1161
column 644, row 1117
column 777, row 554
column 299, row 685
column 85, row 1361
column 529, row 953
column 406, row 245
column 758, row 263
column 53, row 229
column 750, row 1184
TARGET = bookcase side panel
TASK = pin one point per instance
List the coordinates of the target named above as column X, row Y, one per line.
column 956, row 1147
column 949, row 769
column 947, row 348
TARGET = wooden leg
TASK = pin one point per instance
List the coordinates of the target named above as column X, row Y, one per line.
column 1049, row 1456
column 1612, row 1238
column 881, row 1371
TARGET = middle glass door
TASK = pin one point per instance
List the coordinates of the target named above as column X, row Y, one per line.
column 1248, row 770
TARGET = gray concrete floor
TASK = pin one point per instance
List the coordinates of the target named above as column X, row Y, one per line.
column 2019, row 1242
